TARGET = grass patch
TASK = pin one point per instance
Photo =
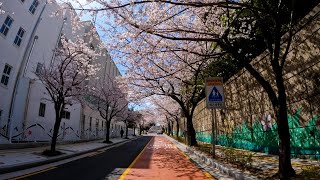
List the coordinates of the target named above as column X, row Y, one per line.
column 249, row 162
column 309, row 172
column 180, row 139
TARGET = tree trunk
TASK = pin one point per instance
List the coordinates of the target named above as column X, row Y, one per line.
column 140, row 130
column 191, row 133
column 280, row 109
column 108, row 131
column 169, row 128
column 56, row 128
column 177, row 126
column 134, row 130
column 285, row 169
column 126, row 136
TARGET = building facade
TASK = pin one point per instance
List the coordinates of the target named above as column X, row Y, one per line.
column 30, row 32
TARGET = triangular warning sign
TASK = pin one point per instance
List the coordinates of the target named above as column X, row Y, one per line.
column 215, row 95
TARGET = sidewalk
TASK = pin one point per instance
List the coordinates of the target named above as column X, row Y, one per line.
column 206, row 163
column 231, row 162
column 18, row 159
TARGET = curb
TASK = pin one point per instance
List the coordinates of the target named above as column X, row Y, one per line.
column 55, row 159
column 39, row 144
column 225, row 169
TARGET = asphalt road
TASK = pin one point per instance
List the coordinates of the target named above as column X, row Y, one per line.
column 107, row 164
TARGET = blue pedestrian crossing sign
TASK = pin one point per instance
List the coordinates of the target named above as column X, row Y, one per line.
column 214, row 93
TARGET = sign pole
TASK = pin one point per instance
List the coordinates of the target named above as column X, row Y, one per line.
column 215, row 100
column 213, row 115
column 216, row 125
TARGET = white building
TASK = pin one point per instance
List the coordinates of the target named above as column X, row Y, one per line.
column 29, row 34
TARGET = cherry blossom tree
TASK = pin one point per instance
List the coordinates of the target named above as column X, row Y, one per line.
column 109, row 100
column 149, row 31
column 154, row 64
column 64, row 78
column 147, row 117
column 179, row 80
column 157, row 65
column 135, row 120
column 139, row 122
column 171, row 110
column 129, row 117
column 1, row 10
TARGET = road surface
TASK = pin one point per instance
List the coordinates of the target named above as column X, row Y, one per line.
column 146, row 158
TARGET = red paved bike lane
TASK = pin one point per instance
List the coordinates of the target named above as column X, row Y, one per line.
column 161, row 160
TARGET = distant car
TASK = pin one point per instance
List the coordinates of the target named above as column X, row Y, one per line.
column 159, row 132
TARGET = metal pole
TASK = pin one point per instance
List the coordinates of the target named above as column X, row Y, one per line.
column 28, row 59
column 57, row 42
column 213, row 115
column 216, row 125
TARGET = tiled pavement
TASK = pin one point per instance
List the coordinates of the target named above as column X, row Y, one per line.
column 161, row 160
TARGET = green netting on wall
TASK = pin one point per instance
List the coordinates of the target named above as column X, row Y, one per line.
column 304, row 140
column 203, row 137
column 180, row 133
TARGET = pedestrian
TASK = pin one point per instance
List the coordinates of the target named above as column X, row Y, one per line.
column 121, row 132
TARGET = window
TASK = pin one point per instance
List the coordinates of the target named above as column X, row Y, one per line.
column 65, row 114
column 6, row 74
column 90, row 125
column 39, row 68
column 19, row 37
column 34, row 6
column 42, row 109
column 6, row 25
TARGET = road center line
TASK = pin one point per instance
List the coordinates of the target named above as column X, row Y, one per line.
column 33, row 173
column 96, row 153
column 134, row 161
